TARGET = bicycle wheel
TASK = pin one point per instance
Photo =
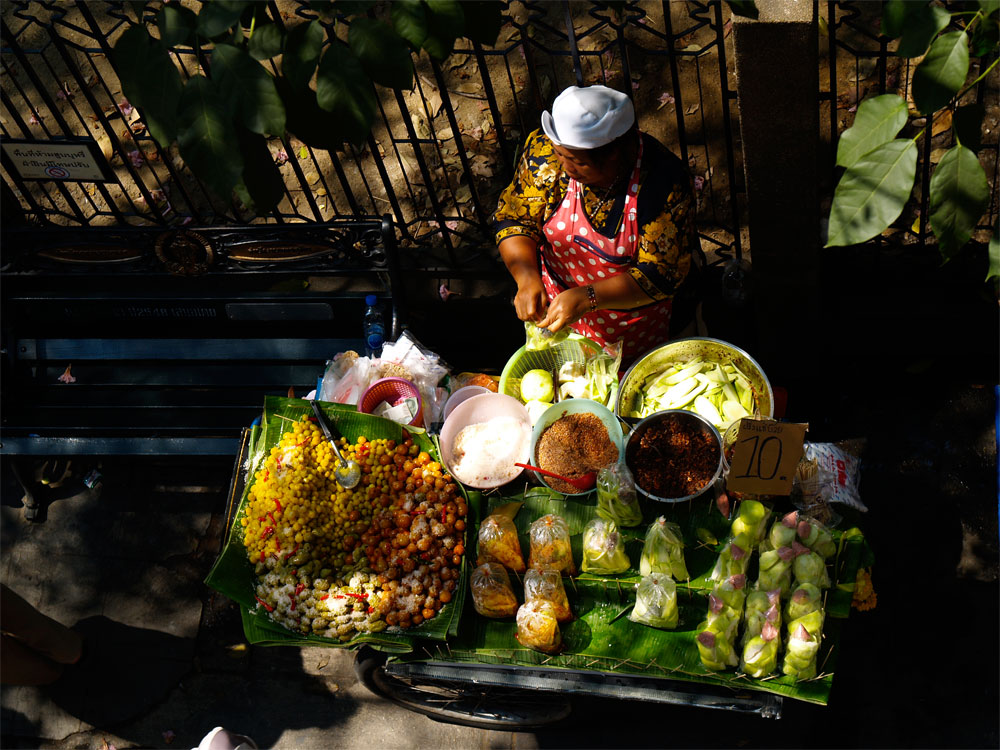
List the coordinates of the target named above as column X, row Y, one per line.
column 459, row 702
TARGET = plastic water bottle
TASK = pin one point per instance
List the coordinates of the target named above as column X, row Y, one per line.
column 374, row 327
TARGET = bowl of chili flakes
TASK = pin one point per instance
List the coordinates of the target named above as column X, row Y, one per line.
column 674, row 455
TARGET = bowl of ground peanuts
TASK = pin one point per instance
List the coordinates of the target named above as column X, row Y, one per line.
column 572, row 438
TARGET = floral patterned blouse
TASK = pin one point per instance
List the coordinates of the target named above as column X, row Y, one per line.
column 666, row 210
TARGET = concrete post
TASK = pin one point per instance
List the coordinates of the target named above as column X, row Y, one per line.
column 777, row 85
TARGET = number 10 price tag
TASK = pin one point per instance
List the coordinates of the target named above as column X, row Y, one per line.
column 765, row 456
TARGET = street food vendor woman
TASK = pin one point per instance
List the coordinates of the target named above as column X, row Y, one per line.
column 597, row 227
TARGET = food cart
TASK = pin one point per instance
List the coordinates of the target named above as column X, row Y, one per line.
column 457, row 665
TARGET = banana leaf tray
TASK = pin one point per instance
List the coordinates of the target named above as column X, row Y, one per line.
column 602, row 647
column 601, row 640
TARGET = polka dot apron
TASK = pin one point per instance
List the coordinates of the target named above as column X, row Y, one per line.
column 576, row 254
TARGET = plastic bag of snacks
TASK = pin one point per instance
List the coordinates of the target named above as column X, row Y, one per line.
column 663, row 550
column 538, row 627
column 536, row 339
column 498, row 542
column 546, row 585
column 616, row 497
column 655, row 602
column 603, row 548
column 827, row 473
column 550, row 547
column 492, row 595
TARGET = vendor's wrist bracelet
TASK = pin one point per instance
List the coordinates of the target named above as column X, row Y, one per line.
column 592, row 296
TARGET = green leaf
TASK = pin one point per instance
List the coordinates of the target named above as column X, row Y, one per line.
column 445, row 23
column 923, row 23
column 994, row 253
column 261, row 176
column 343, row 87
column 878, row 121
column 968, row 125
column 410, row 21
column 207, row 142
column 959, row 195
column 307, row 121
column 989, row 7
column 483, row 21
column 985, row 38
column 382, row 52
column 150, row 81
column 302, row 50
column 894, row 14
column 745, row 8
column 176, row 24
column 218, row 16
column 247, row 90
column 353, row 7
column 942, row 72
column 871, row 194
column 266, row 42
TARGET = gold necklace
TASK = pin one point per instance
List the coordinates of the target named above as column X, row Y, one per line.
column 607, row 194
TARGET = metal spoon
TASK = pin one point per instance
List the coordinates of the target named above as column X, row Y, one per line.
column 582, row 483
column 347, row 473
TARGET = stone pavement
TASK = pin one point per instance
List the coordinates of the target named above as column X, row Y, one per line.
column 167, row 660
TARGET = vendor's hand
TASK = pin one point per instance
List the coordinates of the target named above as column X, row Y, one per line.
column 568, row 307
column 531, row 300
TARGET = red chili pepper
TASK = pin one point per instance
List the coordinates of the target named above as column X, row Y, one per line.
column 357, row 596
column 295, row 572
column 264, row 604
column 299, row 589
column 267, row 475
column 260, row 519
column 268, row 532
column 292, row 608
column 371, row 610
column 324, row 597
column 277, row 505
column 444, row 515
column 277, row 543
column 271, row 516
column 340, row 596
column 294, row 550
column 417, row 512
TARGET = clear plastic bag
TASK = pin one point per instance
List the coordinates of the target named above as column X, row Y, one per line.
column 725, row 605
column 550, row 547
column 827, row 473
column 714, row 647
column 602, row 375
column 547, row 585
column 616, row 496
column 761, row 607
column 805, row 598
column 775, row 570
column 802, row 645
column 810, row 567
column 663, row 550
column 498, row 542
column 536, row 339
column 760, row 653
column 347, row 376
column 492, row 595
column 426, row 370
column 538, row 627
column 751, row 521
column 603, row 548
column 656, row 602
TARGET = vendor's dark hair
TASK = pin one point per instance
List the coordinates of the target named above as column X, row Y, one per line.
column 601, row 154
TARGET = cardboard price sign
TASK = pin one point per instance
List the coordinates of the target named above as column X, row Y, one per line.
column 765, row 456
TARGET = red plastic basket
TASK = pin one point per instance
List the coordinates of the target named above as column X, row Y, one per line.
column 392, row 391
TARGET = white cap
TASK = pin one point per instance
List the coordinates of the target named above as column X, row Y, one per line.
column 588, row 117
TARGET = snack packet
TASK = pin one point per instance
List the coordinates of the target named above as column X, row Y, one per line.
column 547, row 585
column 663, row 550
column 603, row 548
column 827, row 473
column 538, row 627
column 492, row 595
column 498, row 542
column 616, row 496
column 655, row 602
column 537, row 338
column 550, row 547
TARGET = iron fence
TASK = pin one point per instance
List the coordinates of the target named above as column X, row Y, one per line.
column 438, row 155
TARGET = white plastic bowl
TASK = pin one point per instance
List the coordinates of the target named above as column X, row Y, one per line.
column 482, row 409
column 575, row 406
column 462, row 394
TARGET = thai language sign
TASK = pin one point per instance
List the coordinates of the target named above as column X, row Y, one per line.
column 69, row 161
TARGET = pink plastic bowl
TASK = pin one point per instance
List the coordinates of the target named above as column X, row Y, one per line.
column 392, row 391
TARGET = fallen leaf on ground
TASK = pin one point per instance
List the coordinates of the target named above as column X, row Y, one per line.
column 323, row 662
column 691, row 109
column 665, row 99
column 941, row 123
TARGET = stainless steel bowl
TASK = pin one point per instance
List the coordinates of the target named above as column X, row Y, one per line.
column 684, row 349
column 695, row 420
